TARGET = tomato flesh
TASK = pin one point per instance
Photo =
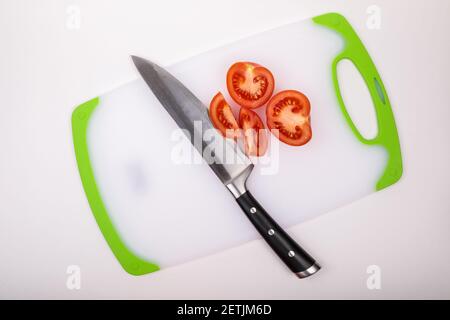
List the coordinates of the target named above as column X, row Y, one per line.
column 222, row 117
column 255, row 137
column 249, row 84
column 288, row 117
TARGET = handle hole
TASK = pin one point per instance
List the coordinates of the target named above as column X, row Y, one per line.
column 357, row 99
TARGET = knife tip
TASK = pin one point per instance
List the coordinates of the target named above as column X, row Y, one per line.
column 143, row 63
column 140, row 62
column 135, row 58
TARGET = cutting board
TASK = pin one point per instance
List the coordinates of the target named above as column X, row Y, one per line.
column 156, row 209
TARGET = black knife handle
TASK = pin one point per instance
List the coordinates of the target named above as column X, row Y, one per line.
column 300, row 262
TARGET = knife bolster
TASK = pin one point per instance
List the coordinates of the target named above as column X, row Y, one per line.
column 237, row 186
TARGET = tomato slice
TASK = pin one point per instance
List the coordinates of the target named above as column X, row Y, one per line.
column 250, row 84
column 255, row 137
column 222, row 117
column 288, row 112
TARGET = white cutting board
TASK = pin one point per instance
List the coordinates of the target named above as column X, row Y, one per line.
column 156, row 212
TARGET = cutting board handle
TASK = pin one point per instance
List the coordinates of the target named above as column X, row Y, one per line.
column 387, row 136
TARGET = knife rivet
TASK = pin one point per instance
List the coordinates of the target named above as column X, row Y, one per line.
column 291, row 254
column 252, row 209
column 271, row 232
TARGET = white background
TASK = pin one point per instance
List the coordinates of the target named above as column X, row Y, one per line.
column 47, row 68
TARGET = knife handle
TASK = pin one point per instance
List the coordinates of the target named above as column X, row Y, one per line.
column 297, row 259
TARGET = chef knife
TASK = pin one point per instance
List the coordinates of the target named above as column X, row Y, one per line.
column 225, row 158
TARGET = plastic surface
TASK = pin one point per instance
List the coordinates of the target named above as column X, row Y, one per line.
column 156, row 210
column 129, row 261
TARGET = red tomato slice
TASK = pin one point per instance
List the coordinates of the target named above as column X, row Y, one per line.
column 288, row 112
column 255, row 137
column 222, row 117
column 250, row 84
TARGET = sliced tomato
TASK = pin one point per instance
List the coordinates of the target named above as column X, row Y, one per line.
column 250, row 84
column 255, row 137
column 288, row 113
column 222, row 117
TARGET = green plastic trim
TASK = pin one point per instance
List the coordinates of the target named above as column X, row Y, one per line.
column 387, row 136
column 129, row 261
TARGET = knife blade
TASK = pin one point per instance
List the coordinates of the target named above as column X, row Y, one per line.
column 191, row 115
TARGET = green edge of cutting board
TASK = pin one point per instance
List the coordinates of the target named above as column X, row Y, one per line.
column 353, row 50
column 129, row 261
column 387, row 136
